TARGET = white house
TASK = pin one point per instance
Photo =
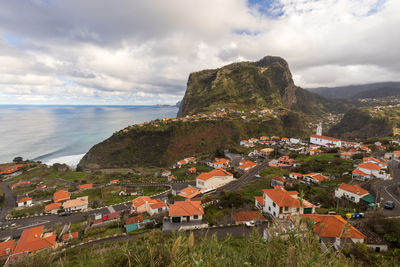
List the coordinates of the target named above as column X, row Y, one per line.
column 351, row 192
column 25, row 202
column 314, row 178
column 214, row 179
column 294, row 141
column 368, row 170
column 283, row 204
column 383, row 165
column 78, row 204
column 186, row 211
column 245, row 165
column 155, row 208
column 325, row 141
column 219, row 163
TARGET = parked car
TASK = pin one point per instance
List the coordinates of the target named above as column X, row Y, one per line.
column 65, row 213
column 389, row 205
column 105, row 217
column 250, row 224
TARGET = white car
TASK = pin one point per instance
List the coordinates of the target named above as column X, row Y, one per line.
column 250, row 224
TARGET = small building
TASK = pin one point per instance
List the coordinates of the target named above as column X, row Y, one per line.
column 165, row 173
column 396, row 154
column 334, row 230
column 7, row 248
column 283, row 204
column 248, row 216
column 220, row 163
column 85, row 186
column 353, row 193
column 214, row 179
column 185, row 211
column 25, row 202
column 246, row 165
column 325, row 141
column 61, row 195
column 52, row 208
column 191, row 171
column 189, row 192
column 114, row 182
column 69, row 237
column 314, row 178
column 171, row 178
column 78, row 204
column 367, row 170
column 295, row 175
column 278, row 180
column 259, row 202
column 285, row 161
column 129, row 191
column 149, row 205
column 265, row 152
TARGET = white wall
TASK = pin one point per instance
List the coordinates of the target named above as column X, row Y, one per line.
column 214, row 182
column 340, row 193
column 323, row 142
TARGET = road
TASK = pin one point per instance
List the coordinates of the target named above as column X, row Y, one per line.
column 10, row 201
column 246, row 177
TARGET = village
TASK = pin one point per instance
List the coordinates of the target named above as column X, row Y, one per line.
column 274, row 184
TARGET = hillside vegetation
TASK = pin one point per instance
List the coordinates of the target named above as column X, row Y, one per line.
column 161, row 144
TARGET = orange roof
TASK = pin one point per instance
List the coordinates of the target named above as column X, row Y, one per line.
column 245, row 216
column 333, row 226
column 52, row 206
column 285, row 198
column 359, row 172
column 264, row 138
column 275, row 137
column 32, row 240
column 325, row 137
column 260, row 200
column 61, row 195
column 370, row 166
column 85, row 186
column 7, row 245
column 24, row 199
column 355, row 189
column 317, row 176
column 158, row 203
column 188, row 192
column 135, row 219
column 375, row 160
column 297, row 174
column 69, row 236
column 139, row 201
column 244, row 164
column 185, row 208
column 217, row 172
column 116, row 181
column 396, row 152
column 285, row 139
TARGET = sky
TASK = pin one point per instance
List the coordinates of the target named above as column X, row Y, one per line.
column 141, row 52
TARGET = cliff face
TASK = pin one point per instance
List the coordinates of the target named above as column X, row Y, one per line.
column 266, row 83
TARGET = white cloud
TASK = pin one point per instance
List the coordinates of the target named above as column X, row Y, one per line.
column 141, row 52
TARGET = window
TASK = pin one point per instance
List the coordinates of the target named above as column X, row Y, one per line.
column 274, row 214
column 195, row 217
column 298, row 209
column 286, row 208
column 273, row 204
column 269, row 208
column 377, row 249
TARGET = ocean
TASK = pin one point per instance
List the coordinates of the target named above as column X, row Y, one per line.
column 65, row 133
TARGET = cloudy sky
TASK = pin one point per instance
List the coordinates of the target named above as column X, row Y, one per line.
column 142, row 51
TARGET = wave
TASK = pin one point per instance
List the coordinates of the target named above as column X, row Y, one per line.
column 72, row 160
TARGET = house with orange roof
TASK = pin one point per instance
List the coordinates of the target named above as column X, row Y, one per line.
column 7, row 248
column 190, row 171
column 314, row 177
column 382, row 164
column 265, row 152
column 334, row 230
column 246, row 143
column 85, row 186
column 185, row 211
column 396, row 154
column 115, row 181
column 253, row 140
column 275, row 138
column 367, row 170
column 61, row 195
column 286, row 140
column 219, row 163
column 346, row 155
column 189, row 192
column 52, row 208
column 295, row 175
column 25, row 202
column 264, row 138
column 214, row 179
column 283, row 204
column 248, row 216
column 285, row 161
column 34, row 239
column 77, row 204
column 278, row 180
column 259, row 202
column 246, row 165
column 165, row 173
column 313, row 152
column 146, row 204
column 353, row 193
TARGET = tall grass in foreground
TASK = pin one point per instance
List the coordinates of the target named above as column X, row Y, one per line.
column 157, row 249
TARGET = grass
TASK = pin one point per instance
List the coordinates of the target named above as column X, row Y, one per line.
column 272, row 171
column 111, row 229
column 324, row 163
column 18, row 212
column 254, row 188
column 180, row 173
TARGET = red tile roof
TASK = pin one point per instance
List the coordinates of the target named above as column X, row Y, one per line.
column 296, row 174
column 355, row 189
column 52, row 206
column 69, row 236
column 325, row 137
column 375, row 160
column 285, row 198
column 333, row 226
column 317, row 176
column 359, row 172
column 61, row 195
column 32, row 240
column 136, row 219
column 185, row 208
column 7, row 246
column 279, row 178
column 85, row 186
column 244, row 164
column 24, row 199
column 217, row 172
column 370, row 166
column 246, row 216
column 158, row 204
column 260, row 200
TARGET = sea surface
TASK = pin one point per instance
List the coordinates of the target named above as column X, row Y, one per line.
column 65, row 133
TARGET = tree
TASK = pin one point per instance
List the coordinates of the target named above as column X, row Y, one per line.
column 18, row 159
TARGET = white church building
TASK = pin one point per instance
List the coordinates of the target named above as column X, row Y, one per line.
column 326, row 141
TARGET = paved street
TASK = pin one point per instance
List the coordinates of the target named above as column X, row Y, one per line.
column 10, row 201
